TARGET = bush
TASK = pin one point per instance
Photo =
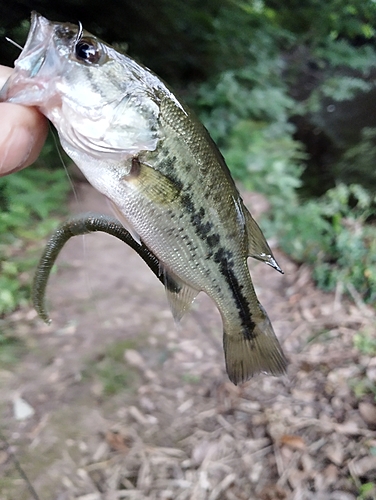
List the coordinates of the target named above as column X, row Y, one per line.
column 247, row 111
column 332, row 234
column 28, row 199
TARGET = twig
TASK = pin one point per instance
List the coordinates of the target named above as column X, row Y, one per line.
column 358, row 299
column 19, row 468
column 338, row 296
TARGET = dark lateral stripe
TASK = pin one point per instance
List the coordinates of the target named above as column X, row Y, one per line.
column 204, row 231
column 226, row 264
column 224, row 259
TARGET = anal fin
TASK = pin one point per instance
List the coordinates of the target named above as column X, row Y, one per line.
column 179, row 295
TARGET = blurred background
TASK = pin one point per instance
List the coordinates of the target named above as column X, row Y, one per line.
column 286, row 89
column 114, row 400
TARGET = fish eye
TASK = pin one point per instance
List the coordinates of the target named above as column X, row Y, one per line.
column 87, row 50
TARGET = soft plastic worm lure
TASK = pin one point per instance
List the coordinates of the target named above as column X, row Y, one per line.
column 84, row 224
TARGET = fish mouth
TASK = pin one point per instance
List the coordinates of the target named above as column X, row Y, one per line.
column 35, row 23
column 26, row 84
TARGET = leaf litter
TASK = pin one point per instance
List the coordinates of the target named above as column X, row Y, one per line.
column 182, row 431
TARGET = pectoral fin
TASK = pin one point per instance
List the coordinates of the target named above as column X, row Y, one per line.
column 151, row 183
column 257, row 245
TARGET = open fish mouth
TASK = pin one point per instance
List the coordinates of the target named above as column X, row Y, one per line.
column 37, row 59
column 40, row 27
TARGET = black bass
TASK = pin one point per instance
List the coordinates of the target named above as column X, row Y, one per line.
column 168, row 183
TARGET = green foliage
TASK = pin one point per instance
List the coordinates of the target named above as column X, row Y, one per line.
column 317, row 21
column 342, row 88
column 358, row 162
column 365, row 342
column 335, row 54
column 11, row 349
column 331, row 234
column 266, row 159
column 247, row 111
column 254, row 91
column 31, row 194
column 27, row 198
column 367, row 491
column 111, row 369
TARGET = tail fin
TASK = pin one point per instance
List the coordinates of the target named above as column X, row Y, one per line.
column 248, row 353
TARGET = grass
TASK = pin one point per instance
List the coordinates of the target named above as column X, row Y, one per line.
column 111, row 370
column 11, row 350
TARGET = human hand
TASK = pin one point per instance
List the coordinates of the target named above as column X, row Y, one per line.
column 23, row 131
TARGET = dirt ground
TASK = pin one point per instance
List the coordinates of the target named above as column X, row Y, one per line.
column 114, row 401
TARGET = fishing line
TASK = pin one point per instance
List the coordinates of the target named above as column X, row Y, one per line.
column 83, row 237
column 19, row 467
column 57, row 144
column 13, row 43
column 79, row 35
column 12, row 456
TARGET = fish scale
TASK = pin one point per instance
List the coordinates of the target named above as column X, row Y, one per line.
column 167, row 181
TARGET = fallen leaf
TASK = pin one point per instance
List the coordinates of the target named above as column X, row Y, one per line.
column 3, row 457
column 293, row 442
column 368, row 413
column 331, row 475
column 273, row 492
column 118, row 441
column 341, row 495
column 350, row 427
column 296, row 478
column 134, row 358
column 335, row 453
column 21, row 409
column 360, row 468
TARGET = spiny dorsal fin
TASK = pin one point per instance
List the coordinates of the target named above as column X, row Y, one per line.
column 258, row 247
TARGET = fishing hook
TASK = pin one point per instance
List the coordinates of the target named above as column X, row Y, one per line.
column 79, row 33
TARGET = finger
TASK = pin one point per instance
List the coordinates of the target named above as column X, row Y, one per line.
column 5, row 72
column 23, row 131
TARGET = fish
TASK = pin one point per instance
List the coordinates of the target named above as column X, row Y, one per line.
column 168, row 184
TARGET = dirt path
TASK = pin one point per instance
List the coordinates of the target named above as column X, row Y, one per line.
column 123, row 404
